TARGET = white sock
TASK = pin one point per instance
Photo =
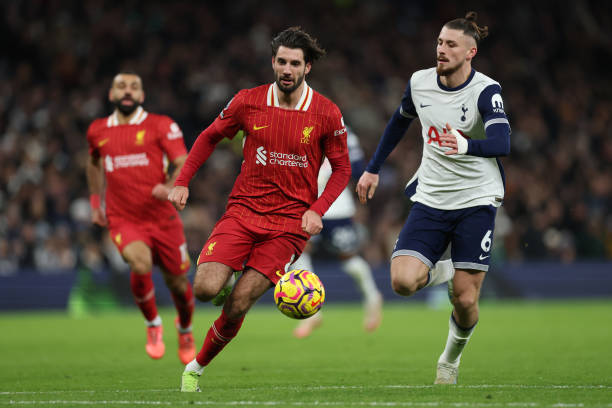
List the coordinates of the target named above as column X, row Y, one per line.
column 303, row 262
column 443, row 271
column 183, row 330
column 193, row 365
column 456, row 341
column 155, row 322
column 361, row 272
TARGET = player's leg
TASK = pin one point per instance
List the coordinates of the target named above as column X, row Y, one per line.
column 170, row 253
column 249, row 288
column 138, row 255
column 471, row 245
column 182, row 296
column 420, row 245
column 225, row 252
column 306, row 326
column 343, row 239
column 463, row 319
column 210, row 278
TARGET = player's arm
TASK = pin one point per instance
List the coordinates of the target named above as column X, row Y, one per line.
column 161, row 191
column 336, row 150
column 497, row 129
column 95, row 182
column 394, row 131
column 200, row 152
column 227, row 125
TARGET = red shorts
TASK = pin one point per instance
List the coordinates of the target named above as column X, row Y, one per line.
column 239, row 244
column 166, row 240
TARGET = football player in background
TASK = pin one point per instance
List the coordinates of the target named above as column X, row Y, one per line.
column 341, row 237
column 459, row 184
column 130, row 149
column 273, row 208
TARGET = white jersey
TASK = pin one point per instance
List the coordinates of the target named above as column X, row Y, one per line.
column 344, row 206
column 455, row 181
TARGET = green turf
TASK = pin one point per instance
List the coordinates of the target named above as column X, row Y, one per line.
column 532, row 354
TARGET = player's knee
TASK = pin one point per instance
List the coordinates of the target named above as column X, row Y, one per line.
column 140, row 265
column 465, row 301
column 176, row 283
column 204, row 291
column 204, row 287
column 403, row 283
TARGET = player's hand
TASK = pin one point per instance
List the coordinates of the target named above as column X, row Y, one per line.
column 178, row 197
column 366, row 186
column 160, row 191
column 98, row 217
column 454, row 140
column 311, row 222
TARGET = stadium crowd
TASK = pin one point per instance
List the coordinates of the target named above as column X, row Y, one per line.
column 59, row 57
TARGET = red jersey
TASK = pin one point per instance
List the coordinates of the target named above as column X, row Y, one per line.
column 135, row 158
column 283, row 151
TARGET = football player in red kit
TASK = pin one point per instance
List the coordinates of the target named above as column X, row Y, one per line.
column 131, row 149
column 273, row 208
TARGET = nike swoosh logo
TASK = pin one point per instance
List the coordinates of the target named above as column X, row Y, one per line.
column 255, row 127
column 483, row 257
column 102, row 142
column 424, row 106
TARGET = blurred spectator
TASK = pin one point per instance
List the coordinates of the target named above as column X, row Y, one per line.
column 59, row 57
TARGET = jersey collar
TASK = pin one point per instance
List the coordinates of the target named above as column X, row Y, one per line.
column 463, row 85
column 137, row 119
column 303, row 104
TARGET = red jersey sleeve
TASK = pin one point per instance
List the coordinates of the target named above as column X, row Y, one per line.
column 91, row 136
column 336, row 150
column 227, row 125
column 171, row 138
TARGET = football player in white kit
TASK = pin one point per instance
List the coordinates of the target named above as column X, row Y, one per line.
column 340, row 237
column 459, row 185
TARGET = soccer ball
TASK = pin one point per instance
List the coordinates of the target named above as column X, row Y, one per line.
column 299, row 294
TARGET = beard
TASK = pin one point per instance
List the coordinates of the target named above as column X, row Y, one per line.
column 127, row 110
column 447, row 71
column 291, row 88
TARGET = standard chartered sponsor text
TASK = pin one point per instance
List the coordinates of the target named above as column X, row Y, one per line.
column 288, row 159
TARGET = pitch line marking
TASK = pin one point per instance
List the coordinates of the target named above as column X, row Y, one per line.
column 336, row 387
column 305, row 404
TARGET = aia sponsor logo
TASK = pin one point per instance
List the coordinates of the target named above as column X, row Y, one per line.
column 433, row 136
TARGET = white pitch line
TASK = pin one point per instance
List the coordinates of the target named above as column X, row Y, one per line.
column 304, row 404
column 338, row 387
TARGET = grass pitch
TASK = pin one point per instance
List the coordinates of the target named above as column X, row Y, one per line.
column 531, row 354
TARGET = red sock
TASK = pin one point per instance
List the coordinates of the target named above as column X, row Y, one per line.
column 144, row 294
column 184, row 303
column 222, row 331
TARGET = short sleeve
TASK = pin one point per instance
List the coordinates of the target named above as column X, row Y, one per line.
column 91, row 136
column 491, row 106
column 229, row 121
column 171, row 138
column 407, row 108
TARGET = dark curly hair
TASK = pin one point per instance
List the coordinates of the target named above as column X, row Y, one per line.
column 294, row 37
column 469, row 27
